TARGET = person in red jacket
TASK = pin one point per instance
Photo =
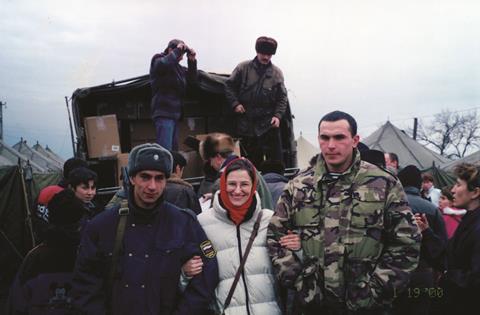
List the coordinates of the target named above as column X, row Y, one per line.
column 451, row 215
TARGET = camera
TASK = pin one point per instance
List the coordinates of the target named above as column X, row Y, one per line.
column 187, row 50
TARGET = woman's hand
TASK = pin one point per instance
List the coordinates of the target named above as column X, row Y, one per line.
column 422, row 221
column 193, row 266
column 291, row 241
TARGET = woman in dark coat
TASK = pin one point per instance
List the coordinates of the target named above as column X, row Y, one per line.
column 462, row 280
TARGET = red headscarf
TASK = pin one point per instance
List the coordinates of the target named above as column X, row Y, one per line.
column 237, row 213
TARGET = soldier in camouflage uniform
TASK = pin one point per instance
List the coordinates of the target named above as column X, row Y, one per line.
column 359, row 239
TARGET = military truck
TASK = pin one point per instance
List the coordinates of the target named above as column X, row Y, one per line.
column 205, row 111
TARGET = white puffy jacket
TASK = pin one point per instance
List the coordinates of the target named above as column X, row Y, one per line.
column 257, row 285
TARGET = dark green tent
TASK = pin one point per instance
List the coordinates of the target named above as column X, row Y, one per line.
column 16, row 237
column 441, row 178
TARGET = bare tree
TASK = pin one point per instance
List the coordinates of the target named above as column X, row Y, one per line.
column 451, row 134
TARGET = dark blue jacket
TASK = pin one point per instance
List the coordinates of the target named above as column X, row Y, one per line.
column 44, row 281
column 156, row 244
column 168, row 80
column 276, row 184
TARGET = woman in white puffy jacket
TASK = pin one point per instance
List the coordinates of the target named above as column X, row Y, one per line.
column 229, row 224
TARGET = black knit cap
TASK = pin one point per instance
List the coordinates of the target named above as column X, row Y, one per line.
column 410, row 176
column 266, row 45
column 375, row 157
column 65, row 209
column 150, row 156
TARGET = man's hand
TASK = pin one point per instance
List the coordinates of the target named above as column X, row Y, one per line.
column 291, row 241
column 239, row 109
column 182, row 47
column 193, row 266
column 191, row 54
column 275, row 122
column 422, row 221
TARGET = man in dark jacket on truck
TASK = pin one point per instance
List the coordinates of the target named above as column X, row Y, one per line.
column 256, row 93
column 168, row 80
column 130, row 257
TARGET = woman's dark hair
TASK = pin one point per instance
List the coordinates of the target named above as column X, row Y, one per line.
column 470, row 174
column 447, row 192
column 81, row 175
column 241, row 164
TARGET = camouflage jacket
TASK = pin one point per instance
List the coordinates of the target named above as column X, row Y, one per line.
column 359, row 237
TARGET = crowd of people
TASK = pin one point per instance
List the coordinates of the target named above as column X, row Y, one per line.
column 353, row 233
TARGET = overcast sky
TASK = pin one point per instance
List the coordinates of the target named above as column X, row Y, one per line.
column 376, row 60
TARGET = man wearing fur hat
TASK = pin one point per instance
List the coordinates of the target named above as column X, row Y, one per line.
column 168, row 80
column 257, row 94
column 217, row 151
column 131, row 256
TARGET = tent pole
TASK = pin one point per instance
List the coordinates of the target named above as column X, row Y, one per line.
column 28, row 219
column 71, row 128
column 15, row 250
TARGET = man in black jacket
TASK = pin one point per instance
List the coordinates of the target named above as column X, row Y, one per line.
column 168, row 80
column 178, row 191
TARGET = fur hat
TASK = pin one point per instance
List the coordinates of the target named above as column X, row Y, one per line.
column 150, row 156
column 216, row 143
column 65, row 208
column 266, row 45
column 410, row 176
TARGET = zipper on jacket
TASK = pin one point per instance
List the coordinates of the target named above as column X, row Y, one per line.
column 243, row 271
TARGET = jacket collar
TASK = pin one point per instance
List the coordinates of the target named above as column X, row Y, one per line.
column 179, row 181
column 412, row 190
column 322, row 174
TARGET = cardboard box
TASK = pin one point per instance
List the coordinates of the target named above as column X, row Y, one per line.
column 122, row 161
column 102, row 136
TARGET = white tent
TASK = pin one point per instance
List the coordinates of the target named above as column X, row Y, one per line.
column 389, row 138
column 48, row 153
column 9, row 157
column 37, row 157
column 305, row 151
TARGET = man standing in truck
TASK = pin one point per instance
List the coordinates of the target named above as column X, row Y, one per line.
column 169, row 80
column 256, row 93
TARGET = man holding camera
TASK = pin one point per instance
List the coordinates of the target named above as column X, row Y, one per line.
column 169, row 80
column 256, row 93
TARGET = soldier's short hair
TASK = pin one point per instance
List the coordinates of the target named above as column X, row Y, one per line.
column 178, row 159
column 339, row 115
